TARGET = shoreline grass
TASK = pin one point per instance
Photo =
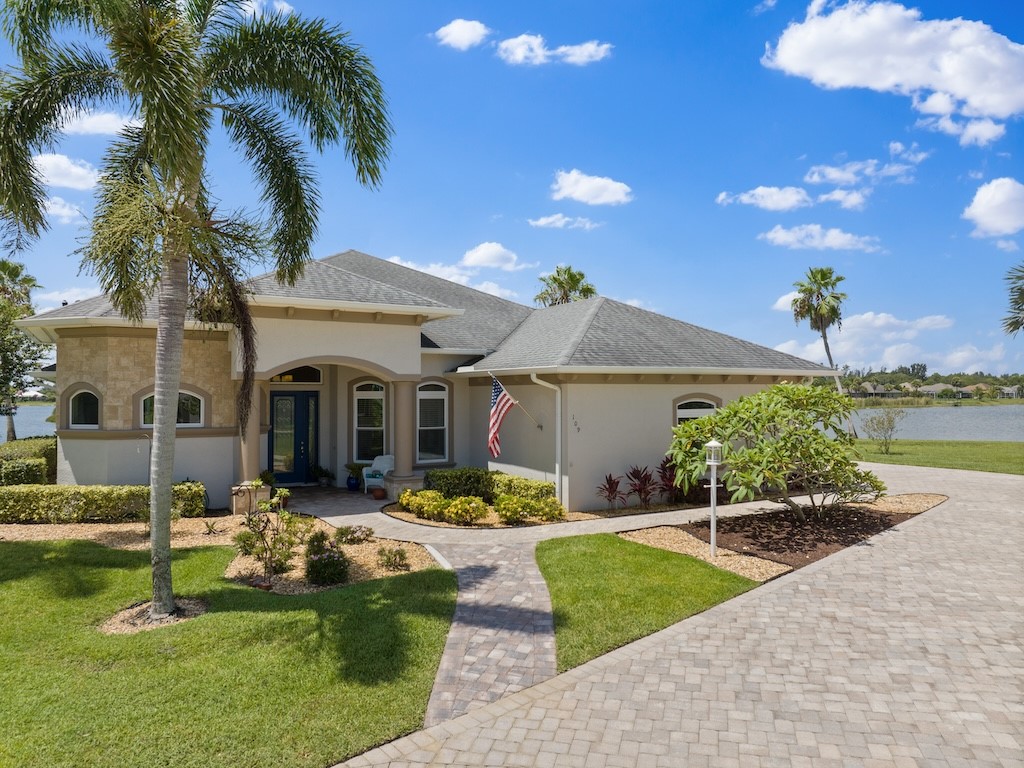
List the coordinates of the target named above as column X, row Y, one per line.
column 982, row 456
column 606, row 592
column 260, row 679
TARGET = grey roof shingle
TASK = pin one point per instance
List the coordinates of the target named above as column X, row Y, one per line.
column 487, row 319
column 602, row 333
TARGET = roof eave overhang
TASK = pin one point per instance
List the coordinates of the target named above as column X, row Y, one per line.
column 558, row 370
column 428, row 313
column 45, row 329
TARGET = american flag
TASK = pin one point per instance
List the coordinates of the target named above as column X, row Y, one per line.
column 501, row 404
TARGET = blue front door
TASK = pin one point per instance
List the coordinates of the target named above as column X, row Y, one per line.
column 293, row 435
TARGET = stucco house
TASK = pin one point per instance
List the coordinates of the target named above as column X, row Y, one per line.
column 364, row 357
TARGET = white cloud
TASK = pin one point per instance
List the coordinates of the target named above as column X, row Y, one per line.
column 561, row 221
column 850, row 199
column 1009, row 246
column 785, row 302
column 816, row 237
column 946, row 67
column 494, row 256
column 592, row 190
column 62, row 171
column 911, row 154
column 53, row 299
column 857, row 172
column 978, row 132
column 259, row 7
column 533, row 50
column 63, row 211
column 997, row 208
column 764, row 5
column 462, row 34
column 98, row 124
column 488, row 286
column 969, row 359
column 769, row 198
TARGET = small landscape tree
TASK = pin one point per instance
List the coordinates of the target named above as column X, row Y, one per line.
column 881, row 427
column 783, row 441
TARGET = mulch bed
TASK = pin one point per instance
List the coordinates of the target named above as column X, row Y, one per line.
column 781, row 537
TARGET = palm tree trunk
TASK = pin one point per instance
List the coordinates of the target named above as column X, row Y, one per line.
column 839, row 384
column 12, row 434
column 170, row 339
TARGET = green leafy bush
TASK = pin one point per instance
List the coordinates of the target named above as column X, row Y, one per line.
column 328, row 567
column 393, row 558
column 23, row 472
column 513, row 485
column 92, row 503
column 245, row 542
column 33, row 448
column 427, row 505
column 353, row 534
column 317, row 543
column 513, row 510
column 549, row 510
column 465, row 510
column 465, row 481
column 277, row 533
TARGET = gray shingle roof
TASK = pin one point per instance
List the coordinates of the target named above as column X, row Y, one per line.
column 601, row 333
column 487, row 319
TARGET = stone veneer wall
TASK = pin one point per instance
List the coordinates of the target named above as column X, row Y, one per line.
column 118, row 364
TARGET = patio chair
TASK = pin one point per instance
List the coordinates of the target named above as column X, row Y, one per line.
column 374, row 474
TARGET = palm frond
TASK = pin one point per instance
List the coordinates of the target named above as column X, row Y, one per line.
column 288, row 182
column 310, row 71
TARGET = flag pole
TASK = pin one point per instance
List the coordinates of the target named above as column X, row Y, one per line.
column 517, row 403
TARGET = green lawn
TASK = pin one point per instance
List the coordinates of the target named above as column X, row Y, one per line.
column 607, row 592
column 983, row 456
column 259, row 680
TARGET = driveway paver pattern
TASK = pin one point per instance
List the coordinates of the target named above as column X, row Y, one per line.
column 905, row 651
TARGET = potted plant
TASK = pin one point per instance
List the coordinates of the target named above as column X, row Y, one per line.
column 355, row 474
column 323, row 476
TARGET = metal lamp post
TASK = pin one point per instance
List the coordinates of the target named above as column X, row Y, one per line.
column 713, row 457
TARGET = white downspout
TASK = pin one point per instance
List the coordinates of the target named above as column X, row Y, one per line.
column 558, row 434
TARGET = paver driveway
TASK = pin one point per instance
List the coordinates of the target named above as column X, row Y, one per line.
column 906, row 651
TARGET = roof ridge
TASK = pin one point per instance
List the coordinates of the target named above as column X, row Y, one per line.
column 581, row 332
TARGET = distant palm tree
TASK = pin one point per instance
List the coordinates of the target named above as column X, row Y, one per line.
column 818, row 301
column 565, row 284
column 16, row 286
column 179, row 65
column 1014, row 321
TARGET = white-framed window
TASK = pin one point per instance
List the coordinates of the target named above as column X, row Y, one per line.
column 191, row 410
column 432, row 422
column 84, row 410
column 368, row 421
column 693, row 409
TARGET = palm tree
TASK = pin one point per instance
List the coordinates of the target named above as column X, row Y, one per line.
column 565, row 284
column 273, row 81
column 818, row 301
column 16, row 286
column 1014, row 321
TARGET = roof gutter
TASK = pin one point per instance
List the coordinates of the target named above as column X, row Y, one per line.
column 639, row 371
column 430, row 312
column 558, row 434
column 45, row 329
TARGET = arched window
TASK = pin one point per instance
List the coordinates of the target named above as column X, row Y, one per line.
column 432, row 422
column 84, row 410
column 693, row 409
column 368, row 421
column 190, row 410
column 304, row 374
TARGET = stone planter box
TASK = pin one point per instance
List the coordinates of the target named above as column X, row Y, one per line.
column 243, row 495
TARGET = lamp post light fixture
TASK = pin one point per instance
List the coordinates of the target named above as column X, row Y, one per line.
column 713, row 457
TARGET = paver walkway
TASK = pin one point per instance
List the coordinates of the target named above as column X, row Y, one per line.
column 904, row 651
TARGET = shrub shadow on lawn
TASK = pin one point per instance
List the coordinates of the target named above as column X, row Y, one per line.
column 365, row 628
column 73, row 568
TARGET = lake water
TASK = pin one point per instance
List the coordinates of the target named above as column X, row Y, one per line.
column 29, row 421
column 1002, row 423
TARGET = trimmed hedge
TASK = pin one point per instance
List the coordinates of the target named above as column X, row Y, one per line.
column 33, row 448
column 465, row 481
column 513, row 485
column 93, row 503
column 23, row 472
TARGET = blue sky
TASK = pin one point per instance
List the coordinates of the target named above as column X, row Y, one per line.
column 694, row 158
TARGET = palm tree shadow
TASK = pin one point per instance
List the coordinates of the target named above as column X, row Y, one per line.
column 71, row 568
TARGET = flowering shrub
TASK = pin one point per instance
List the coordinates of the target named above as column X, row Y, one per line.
column 513, row 510
column 428, row 505
column 353, row 534
column 393, row 558
column 327, row 568
column 548, row 509
column 465, row 510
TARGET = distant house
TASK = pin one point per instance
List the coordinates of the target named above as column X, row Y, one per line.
column 871, row 389
column 1009, row 393
column 363, row 357
column 933, row 390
